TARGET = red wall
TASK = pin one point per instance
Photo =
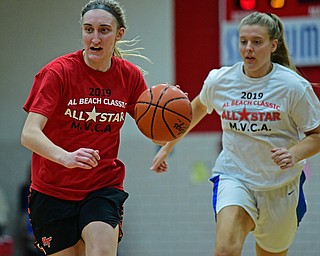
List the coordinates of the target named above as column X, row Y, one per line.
column 311, row 73
column 196, row 36
column 196, row 49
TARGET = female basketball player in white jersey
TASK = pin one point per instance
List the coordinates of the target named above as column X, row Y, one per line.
column 270, row 119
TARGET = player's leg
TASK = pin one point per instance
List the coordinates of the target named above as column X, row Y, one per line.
column 100, row 221
column 280, row 211
column 55, row 225
column 236, row 213
column 233, row 226
column 76, row 250
column 261, row 252
column 101, row 239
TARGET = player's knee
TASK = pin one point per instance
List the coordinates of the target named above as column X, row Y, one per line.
column 228, row 249
column 101, row 250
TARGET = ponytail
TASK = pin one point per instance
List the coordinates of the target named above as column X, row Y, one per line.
column 276, row 31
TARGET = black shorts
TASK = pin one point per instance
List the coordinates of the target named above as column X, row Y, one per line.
column 57, row 224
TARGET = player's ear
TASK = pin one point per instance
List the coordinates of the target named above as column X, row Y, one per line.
column 274, row 45
column 120, row 34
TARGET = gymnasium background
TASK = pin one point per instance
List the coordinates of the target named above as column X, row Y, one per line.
column 166, row 214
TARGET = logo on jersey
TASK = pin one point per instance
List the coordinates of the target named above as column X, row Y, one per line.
column 94, row 120
column 250, row 121
column 95, row 116
column 46, row 241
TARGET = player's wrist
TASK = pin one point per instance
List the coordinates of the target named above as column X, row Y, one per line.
column 168, row 147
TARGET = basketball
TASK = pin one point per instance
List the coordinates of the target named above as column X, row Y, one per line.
column 163, row 112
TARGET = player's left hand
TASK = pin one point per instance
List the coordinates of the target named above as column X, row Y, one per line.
column 283, row 157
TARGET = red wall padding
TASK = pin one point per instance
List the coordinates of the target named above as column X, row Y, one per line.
column 196, row 36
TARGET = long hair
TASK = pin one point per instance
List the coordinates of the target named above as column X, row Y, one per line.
column 276, row 31
column 123, row 48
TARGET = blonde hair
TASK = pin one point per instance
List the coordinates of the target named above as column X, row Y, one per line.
column 276, row 31
column 118, row 12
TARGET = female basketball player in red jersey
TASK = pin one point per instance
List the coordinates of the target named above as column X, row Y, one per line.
column 76, row 108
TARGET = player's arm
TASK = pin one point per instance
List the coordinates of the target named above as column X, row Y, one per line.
column 198, row 112
column 33, row 138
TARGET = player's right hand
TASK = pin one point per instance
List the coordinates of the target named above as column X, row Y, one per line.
column 159, row 161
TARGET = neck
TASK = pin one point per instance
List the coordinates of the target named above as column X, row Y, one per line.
column 258, row 73
column 102, row 66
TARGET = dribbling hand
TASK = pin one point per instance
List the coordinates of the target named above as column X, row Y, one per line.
column 159, row 161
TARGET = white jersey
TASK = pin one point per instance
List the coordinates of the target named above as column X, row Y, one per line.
column 258, row 114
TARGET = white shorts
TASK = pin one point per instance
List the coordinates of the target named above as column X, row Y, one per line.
column 276, row 213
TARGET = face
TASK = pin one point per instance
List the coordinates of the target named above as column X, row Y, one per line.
column 99, row 36
column 255, row 48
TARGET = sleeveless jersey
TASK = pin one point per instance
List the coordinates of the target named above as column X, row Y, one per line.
column 85, row 108
column 258, row 114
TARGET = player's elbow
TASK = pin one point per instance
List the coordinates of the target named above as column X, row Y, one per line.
column 25, row 138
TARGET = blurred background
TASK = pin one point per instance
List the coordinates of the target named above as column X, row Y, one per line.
column 166, row 214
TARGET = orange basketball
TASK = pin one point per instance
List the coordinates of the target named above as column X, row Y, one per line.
column 163, row 112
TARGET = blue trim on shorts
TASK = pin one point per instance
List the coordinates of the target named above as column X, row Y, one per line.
column 215, row 180
column 302, row 205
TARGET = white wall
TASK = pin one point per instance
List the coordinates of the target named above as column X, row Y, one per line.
column 166, row 214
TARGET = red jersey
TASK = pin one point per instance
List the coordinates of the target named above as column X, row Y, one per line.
column 85, row 108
